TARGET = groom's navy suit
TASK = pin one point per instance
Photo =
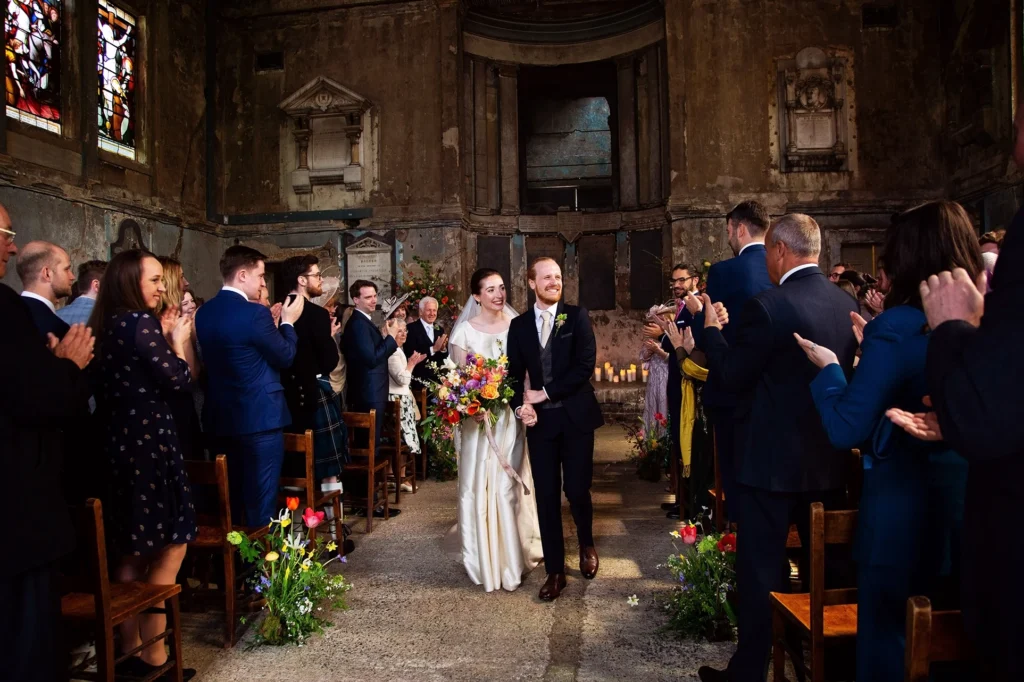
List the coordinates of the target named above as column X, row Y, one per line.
column 562, row 441
column 245, row 410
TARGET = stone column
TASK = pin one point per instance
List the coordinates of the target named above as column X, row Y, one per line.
column 493, row 138
column 627, row 133
column 480, row 134
column 508, row 108
column 655, row 110
column 89, row 99
column 450, row 47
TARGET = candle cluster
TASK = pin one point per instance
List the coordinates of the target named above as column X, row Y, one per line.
column 622, row 375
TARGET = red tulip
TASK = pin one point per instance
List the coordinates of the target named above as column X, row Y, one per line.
column 292, row 503
column 311, row 518
column 689, row 533
column 452, row 417
column 727, row 543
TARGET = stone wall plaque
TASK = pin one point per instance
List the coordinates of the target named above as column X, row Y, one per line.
column 814, row 131
column 370, row 257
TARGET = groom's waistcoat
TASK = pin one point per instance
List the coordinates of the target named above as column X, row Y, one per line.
column 545, row 364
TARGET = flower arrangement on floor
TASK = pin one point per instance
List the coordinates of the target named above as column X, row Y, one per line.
column 441, row 437
column 705, row 575
column 430, row 283
column 650, row 445
column 292, row 576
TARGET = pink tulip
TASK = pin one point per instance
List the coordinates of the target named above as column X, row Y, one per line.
column 311, row 518
column 689, row 534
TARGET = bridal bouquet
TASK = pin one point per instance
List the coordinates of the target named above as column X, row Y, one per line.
column 291, row 575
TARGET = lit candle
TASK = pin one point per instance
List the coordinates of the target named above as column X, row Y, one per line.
column 622, row 374
column 633, row 367
column 608, row 372
column 615, row 380
column 645, row 376
column 597, row 374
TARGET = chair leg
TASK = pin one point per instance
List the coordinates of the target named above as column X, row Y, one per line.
column 229, row 598
column 778, row 648
column 174, row 621
column 371, row 492
column 104, row 653
column 395, row 471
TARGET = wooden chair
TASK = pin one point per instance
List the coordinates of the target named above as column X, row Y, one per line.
column 397, row 451
column 302, row 444
column 94, row 599
column 365, row 460
column 420, row 396
column 933, row 636
column 820, row 615
column 213, row 532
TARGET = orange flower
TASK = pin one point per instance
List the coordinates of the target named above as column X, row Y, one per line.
column 489, row 392
column 473, row 408
column 292, row 503
column 480, row 361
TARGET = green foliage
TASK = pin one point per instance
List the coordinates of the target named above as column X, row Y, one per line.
column 705, row 577
column 429, row 282
column 293, row 579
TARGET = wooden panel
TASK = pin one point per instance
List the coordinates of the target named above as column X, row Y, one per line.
column 597, row 271
column 646, row 280
column 496, row 252
column 536, row 247
column 508, row 110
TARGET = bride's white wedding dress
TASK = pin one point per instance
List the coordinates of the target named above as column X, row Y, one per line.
column 497, row 532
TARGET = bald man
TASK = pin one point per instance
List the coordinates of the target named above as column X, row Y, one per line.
column 46, row 277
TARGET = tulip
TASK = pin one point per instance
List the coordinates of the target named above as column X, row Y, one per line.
column 271, row 557
column 292, row 503
column 473, row 408
column 727, row 543
column 311, row 518
column 689, row 533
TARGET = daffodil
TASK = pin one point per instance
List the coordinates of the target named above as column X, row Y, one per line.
column 301, row 551
column 331, row 546
column 272, row 557
column 285, row 523
column 675, row 534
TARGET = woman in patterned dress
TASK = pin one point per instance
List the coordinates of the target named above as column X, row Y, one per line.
column 399, row 377
column 140, row 361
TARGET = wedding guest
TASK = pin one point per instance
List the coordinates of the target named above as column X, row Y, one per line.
column 311, row 400
column 189, row 304
column 148, row 511
column 656, row 360
column 78, row 311
column 426, row 336
column 46, row 277
column 366, row 356
column 784, row 458
column 400, row 372
column 245, row 410
column 974, row 371
column 990, row 242
column 732, row 282
column 342, row 314
column 917, row 487
column 837, row 270
column 41, row 387
column 182, row 403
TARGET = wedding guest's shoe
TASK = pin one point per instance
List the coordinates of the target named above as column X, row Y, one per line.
column 708, row 674
column 553, row 587
column 673, row 513
column 588, row 562
column 669, row 506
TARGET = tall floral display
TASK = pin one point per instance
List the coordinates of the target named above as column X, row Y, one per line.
column 430, row 282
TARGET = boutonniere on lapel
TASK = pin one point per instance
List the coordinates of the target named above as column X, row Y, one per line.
column 559, row 321
column 437, row 328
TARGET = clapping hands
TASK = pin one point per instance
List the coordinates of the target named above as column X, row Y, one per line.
column 715, row 314
column 76, row 346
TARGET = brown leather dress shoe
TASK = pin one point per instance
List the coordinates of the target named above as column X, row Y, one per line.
column 588, row 562
column 553, row 587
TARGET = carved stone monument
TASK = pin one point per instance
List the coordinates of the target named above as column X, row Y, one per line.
column 813, row 102
column 371, row 257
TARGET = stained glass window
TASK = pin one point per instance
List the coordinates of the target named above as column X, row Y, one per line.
column 117, row 40
column 32, row 79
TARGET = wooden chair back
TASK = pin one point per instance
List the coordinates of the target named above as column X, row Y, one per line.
column 301, row 444
column 933, row 636
column 92, row 573
column 827, row 528
column 212, row 475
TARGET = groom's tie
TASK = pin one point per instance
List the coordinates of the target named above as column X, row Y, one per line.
column 545, row 328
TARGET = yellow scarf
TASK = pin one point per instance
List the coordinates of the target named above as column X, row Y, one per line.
column 688, row 410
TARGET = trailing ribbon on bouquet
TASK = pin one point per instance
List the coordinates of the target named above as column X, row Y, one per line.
column 500, row 457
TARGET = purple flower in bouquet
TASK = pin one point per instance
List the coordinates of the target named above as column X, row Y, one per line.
column 471, row 359
column 472, row 385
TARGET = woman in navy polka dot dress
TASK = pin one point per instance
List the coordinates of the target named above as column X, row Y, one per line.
column 139, row 363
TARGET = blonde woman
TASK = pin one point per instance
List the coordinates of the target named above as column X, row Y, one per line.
column 182, row 405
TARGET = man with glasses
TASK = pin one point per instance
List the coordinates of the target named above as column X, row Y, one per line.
column 837, row 269
column 683, row 282
column 307, row 388
column 46, row 277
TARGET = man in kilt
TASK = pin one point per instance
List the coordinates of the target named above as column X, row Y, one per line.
column 311, row 400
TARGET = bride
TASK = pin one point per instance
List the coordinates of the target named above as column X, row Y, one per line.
column 497, row 530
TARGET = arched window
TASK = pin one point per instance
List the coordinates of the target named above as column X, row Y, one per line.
column 117, row 38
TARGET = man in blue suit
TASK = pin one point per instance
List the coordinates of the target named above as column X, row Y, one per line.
column 366, row 356
column 245, row 410
column 732, row 282
column 785, row 460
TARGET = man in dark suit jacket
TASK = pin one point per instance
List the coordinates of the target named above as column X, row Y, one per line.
column 554, row 344
column 366, row 354
column 732, row 283
column 41, row 390
column 427, row 337
column 316, row 353
column 46, row 277
column 245, row 410
column 785, row 461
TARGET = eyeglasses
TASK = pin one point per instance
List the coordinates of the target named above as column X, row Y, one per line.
column 681, row 279
column 9, row 234
column 833, row 275
column 314, row 274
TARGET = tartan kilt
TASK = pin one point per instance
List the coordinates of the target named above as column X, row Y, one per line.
column 330, row 436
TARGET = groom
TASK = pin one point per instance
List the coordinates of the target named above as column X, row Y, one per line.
column 555, row 345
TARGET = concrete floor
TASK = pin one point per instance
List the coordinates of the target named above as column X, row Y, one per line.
column 415, row 615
